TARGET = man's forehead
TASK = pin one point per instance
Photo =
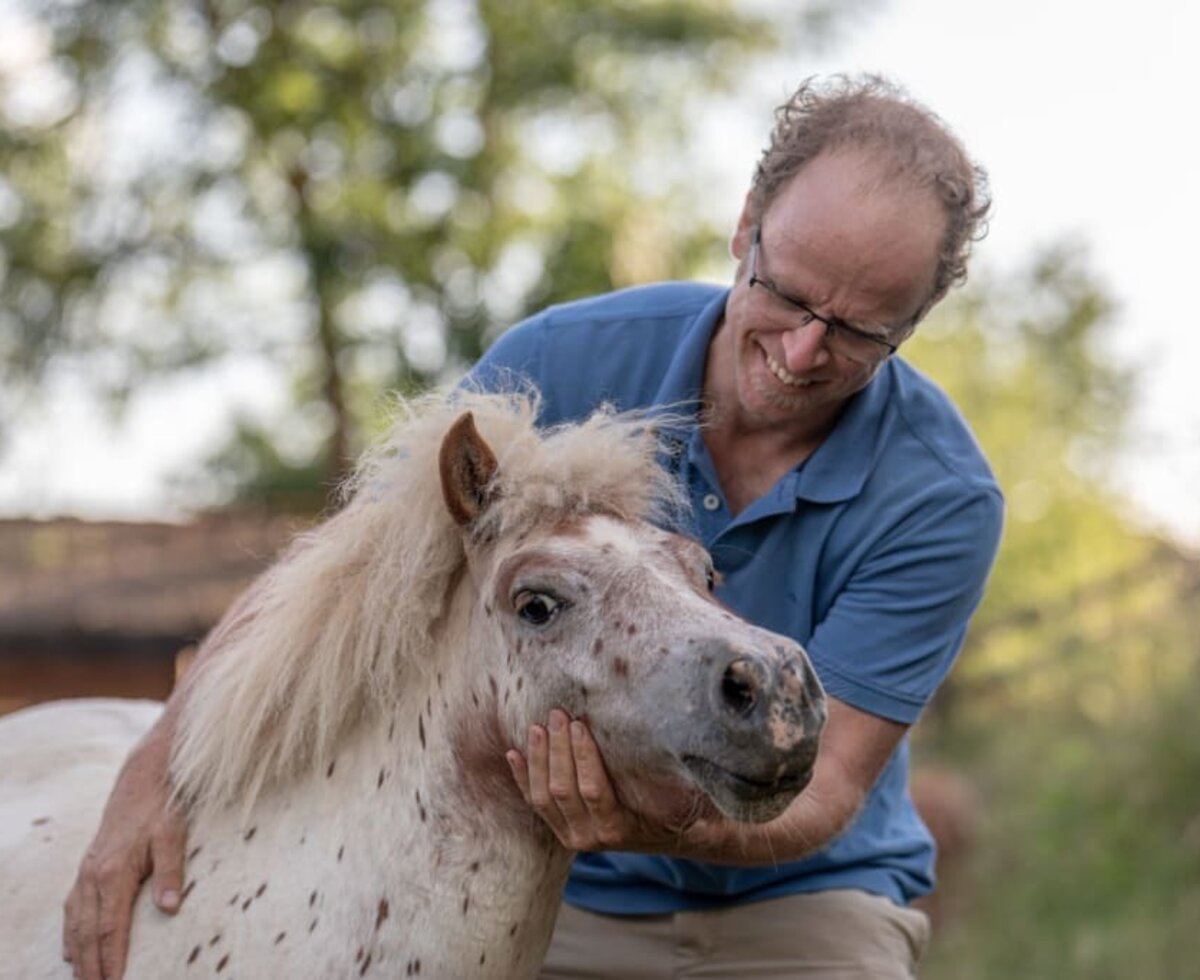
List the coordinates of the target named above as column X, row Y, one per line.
column 827, row 231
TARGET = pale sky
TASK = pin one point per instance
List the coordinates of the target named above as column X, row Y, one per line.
column 1085, row 115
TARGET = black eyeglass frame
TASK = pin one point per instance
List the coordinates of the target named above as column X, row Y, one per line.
column 832, row 326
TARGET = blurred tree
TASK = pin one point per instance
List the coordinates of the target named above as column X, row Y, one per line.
column 363, row 192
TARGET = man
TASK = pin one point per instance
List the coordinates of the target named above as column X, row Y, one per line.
column 845, row 504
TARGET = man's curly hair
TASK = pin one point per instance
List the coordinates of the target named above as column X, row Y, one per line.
column 914, row 146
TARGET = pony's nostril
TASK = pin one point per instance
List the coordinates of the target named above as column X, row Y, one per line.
column 738, row 687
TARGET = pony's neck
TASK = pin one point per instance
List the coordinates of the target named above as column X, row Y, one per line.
column 387, row 852
column 467, row 858
column 411, row 842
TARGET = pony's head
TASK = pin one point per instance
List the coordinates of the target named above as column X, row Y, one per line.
column 581, row 603
column 528, row 563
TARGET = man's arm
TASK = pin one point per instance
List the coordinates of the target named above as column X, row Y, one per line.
column 565, row 781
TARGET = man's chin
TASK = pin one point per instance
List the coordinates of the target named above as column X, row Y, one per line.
column 773, row 402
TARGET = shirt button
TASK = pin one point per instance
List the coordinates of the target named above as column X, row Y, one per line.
column 711, row 501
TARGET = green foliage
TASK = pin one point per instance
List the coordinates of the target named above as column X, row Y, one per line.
column 361, row 193
column 1073, row 702
column 1089, row 863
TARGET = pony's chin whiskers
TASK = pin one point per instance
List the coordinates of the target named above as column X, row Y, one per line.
column 761, row 830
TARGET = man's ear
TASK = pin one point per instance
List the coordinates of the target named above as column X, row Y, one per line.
column 467, row 465
column 739, row 244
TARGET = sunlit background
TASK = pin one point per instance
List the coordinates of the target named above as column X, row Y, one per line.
column 228, row 230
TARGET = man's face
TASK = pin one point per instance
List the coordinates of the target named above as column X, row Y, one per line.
column 849, row 247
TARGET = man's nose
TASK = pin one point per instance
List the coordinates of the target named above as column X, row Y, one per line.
column 804, row 347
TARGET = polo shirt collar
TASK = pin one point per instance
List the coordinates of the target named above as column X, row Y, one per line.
column 839, row 467
column 683, row 380
column 682, row 384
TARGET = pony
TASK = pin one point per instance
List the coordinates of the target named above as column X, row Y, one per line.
column 340, row 750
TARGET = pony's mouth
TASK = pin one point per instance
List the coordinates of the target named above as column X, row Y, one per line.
column 745, row 797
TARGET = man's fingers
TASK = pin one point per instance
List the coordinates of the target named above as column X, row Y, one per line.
column 118, row 889
column 538, row 767
column 68, row 948
column 594, row 786
column 564, row 789
column 99, row 911
column 167, row 853
column 538, row 770
column 549, row 811
column 85, row 956
column 608, row 818
column 520, row 772
column 563, row 777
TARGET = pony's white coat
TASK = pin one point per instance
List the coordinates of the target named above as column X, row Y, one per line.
column 341, row 754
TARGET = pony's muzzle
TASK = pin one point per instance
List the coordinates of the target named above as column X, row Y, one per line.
column 756, row 725
column 770, row 702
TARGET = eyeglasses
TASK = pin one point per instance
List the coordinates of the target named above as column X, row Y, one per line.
column 852, row 343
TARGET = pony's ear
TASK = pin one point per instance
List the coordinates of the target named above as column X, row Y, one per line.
column 467, row 465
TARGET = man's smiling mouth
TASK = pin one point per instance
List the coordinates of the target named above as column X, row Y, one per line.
column 783, row 374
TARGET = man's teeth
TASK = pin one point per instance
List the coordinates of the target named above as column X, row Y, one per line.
column 783, row 374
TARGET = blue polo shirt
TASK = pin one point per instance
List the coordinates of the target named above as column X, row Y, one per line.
column 872, row 553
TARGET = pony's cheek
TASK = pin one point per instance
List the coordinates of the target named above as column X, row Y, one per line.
column 666, row 799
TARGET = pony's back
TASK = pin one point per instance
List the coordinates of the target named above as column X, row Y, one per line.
column 57, row 766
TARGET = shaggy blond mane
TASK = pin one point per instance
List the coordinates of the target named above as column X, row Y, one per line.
column 340, row 624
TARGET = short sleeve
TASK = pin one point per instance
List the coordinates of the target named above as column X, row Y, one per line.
column 893, row 632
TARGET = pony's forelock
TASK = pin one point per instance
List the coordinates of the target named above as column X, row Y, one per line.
column 348, row 615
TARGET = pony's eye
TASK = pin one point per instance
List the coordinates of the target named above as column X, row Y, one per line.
column 536, row 608
column 710, row 577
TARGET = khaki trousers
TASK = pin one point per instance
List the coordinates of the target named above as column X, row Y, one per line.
column 836, row 935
